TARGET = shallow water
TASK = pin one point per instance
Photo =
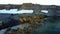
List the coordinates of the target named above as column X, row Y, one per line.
column 51, row 26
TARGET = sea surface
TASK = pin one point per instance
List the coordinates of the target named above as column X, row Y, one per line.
column 51, row 26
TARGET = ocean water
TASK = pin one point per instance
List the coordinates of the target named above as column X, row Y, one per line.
column 51, row 26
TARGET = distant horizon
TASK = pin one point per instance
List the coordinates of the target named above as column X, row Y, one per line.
column 41, row 2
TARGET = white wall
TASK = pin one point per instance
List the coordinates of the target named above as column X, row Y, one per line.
column 14, row 11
